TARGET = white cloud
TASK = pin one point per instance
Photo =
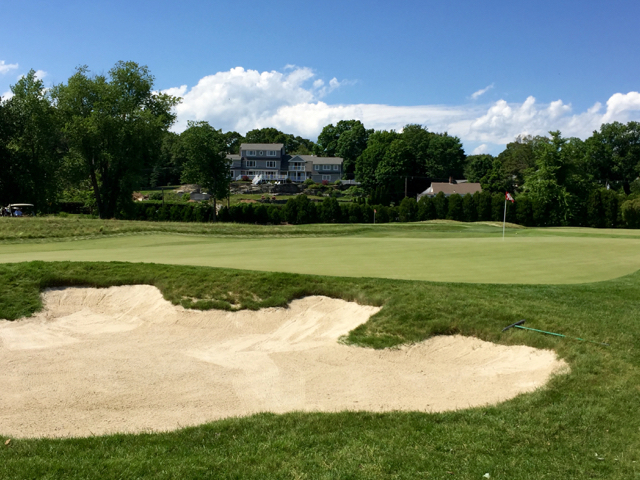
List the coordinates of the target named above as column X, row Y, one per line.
column 482, row 91
column 620, row 106
column 480, row 149
column 7, row 67
column 40, row 74
column 294, row 101
column 6, row 95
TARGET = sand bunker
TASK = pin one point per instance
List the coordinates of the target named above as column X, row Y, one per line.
column 123, row 359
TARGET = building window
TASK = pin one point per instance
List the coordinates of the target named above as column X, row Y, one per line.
column 261, row 153
column 316, row 167
column 326, row 177
column 271, row 164
column 271, row 153
column 250, row 163
column 336, row 167
column 251, row 153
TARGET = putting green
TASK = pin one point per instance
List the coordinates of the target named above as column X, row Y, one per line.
column 527, row 259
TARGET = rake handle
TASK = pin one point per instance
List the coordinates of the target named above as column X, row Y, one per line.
column 559, row 335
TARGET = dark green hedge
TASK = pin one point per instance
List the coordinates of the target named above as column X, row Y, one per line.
column 155, row 211
column 604, row 208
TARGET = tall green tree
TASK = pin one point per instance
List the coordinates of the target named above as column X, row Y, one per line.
column 518, row 159
column 557, row 187
column 347, row 139
column 445, row 157
column 113, row 125
column 205, row 151
column 233, row 141
column 417, row 138
column 32, row 165
column 613, row 154
column 478, row 167
column 395, row 167
column 167, row 170
column 372, row 156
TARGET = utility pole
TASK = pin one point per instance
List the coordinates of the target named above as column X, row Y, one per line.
column 405, row 187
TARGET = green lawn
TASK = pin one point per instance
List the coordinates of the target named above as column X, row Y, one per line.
column 445, row 252
column 584, row 424
column 431, row 278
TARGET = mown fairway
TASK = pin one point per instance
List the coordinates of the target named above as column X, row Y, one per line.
column 433, row 252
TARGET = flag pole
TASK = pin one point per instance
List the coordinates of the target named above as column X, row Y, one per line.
column 504, row 221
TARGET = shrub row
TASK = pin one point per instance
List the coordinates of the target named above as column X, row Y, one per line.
column 604, row 208
column 170, row 212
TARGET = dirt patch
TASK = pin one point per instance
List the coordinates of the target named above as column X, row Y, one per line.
column 123, row 359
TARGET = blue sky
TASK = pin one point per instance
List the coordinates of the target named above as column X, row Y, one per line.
column 297, row 66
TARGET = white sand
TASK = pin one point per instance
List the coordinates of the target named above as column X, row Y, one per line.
column 123, row 359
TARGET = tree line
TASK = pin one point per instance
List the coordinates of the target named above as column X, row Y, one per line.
column 99, row 137
column 567, row 181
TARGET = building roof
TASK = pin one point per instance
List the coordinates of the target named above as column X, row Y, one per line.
column 320, row 160
column 452, row 188
column 233, row 156
column 261, row 146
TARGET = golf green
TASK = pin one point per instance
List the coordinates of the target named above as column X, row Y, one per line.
column 526, row 260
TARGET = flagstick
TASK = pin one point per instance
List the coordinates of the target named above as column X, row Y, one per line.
column 505, row 217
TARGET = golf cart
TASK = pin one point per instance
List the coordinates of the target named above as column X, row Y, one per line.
column 18, row 209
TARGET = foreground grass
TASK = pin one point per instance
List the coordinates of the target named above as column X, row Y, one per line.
column 583, row 425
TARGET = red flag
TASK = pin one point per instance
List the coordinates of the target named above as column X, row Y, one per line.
column 508, row 196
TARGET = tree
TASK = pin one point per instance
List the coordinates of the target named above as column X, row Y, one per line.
column 330, row 211
column 7, row 184
column 545, row 186
column 445, row 157
column 367, row 163
column 167, row 170
column 441, row 205
column 478, row 167
column 233, row 140
column 32, row 155
column 517, row 159
column 113, row 126
column 469, row 209
column 348, row 139
column 613, row 154
column 455, row 209
column 397, row 164
column 496, row 179
column 206, row 162
column 426, row 209
column 408, row 210
column 292, row 144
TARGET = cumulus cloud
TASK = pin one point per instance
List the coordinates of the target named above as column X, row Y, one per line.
column 295, row 101
column 480, row 149
column 7, row 67
column 482, row 91
column 503, row 121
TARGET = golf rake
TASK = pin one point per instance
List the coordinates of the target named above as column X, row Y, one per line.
column 519, row 325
